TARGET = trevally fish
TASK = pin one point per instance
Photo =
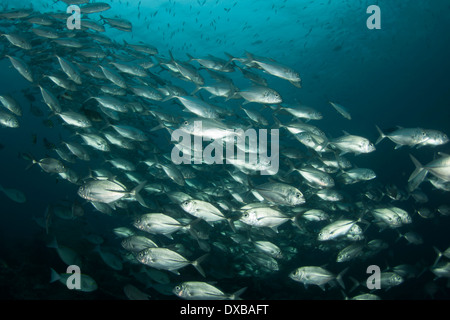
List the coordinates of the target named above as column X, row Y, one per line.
column 158, row 223
column 94, row 7
column 87, row 283
column 342, row 110
column 107, row 191
column 439, row 168
column 259, row 94
column 404, row 136
column 196, row 290
column 318, row 276
column 166, row 259
column 339, row 228
column 11, row 104
column 264, row 217
column 22, row 67
column 14, row 194
column 276, row 69
column 279, row 193
column 134, row 293
column 8, row 120
column 70, row 70
column 49, row 165
column 351, row 143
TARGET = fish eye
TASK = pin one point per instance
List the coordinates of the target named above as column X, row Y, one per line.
column 177, row 288
column 186, row 123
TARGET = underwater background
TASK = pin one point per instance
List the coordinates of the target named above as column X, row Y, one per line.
column 394, row 76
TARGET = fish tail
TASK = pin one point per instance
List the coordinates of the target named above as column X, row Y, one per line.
column 171, row 57
column 439, row 255
column 419, row 169
column 88, row 100
column 278, row 124
column 197, row 88
column 236, row 295
column 197, row 266
column 135, row 193
column 53, row 244
column 107, row 125
column 190, row 228
column 230, row 222
column 291, row 167
column 339, row 278
column 381, row 137
column 168, row 98
column 230, row 60
column 295, row 221
column 161, row 125
column 249, row 56
column 54, row 276
column 356, row 284
column 400, row 235
column 190, row 57
column 29, row 156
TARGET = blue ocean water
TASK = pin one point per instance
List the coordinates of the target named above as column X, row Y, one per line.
column 394, row 76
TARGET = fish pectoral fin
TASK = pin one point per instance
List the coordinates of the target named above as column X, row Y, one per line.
column 174, row 271
column 168, row 235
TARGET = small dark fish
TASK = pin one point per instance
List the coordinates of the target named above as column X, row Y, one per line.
column 48, row 123
column 36, row 111
column 29, row 96
column 77, row 209
column 92, row 115
column 34, row 138
column 48, row 145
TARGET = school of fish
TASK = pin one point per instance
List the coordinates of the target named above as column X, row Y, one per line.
column 117, row 105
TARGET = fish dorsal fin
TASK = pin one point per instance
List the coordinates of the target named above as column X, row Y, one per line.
column 346, row 133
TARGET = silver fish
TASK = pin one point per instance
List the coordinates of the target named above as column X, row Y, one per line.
column 196, row 290
column 166, row 259
column 107, row 191
column 21, row 67
column 343, row 111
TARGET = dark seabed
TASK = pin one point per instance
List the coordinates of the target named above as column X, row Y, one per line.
column 392, row 77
